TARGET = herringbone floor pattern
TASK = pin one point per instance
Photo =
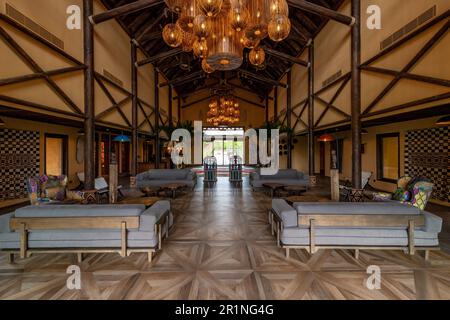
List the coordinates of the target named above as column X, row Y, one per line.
column 221, row 248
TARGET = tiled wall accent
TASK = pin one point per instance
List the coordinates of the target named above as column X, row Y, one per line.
column 19, row 159
column 427, row 154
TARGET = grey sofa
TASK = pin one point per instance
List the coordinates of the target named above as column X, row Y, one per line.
column 288, row 177
column 160, row 177
column 312, row 226
column 80, row 229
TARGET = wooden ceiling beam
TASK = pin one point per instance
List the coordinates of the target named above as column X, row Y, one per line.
column 189, row 77
column 123, row 10
column 159, row 56
column 322, row 11
column 262, row 79
column 285, row 56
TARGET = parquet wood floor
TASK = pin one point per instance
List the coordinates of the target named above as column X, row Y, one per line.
column 221, row 248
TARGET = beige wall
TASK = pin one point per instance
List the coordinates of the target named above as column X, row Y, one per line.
column 332, row 53
column 112, row 53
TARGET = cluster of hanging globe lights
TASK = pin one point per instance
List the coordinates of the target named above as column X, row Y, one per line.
column 223, row 111
column 217, row 31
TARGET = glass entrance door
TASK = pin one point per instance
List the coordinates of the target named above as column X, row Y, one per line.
column 223, row 143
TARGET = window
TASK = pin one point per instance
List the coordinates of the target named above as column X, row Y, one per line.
column 388, row 157
column 55, row 154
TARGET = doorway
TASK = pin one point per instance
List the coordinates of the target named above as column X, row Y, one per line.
column 223, row 143
column 55, row 155
column 322, row 158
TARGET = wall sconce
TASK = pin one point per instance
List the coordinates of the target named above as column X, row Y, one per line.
column 326, row 138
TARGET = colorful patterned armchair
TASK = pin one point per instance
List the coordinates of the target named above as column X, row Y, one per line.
column 413, row 191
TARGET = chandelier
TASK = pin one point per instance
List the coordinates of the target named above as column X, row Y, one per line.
column 217, row 31
column 223, row 111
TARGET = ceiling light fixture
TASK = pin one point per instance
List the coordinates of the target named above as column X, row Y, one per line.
column 219, row 30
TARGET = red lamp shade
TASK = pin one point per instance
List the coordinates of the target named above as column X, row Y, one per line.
column 326, row 138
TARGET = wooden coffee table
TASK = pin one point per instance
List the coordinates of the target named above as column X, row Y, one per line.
column 147, row 201
column 295, row 190
column 273, row 187
column 151, row 191
column 174, row 187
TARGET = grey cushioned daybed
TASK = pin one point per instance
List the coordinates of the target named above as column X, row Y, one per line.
column 288, row 177
column 81, row 229
column 313, row 226
column 160, row 177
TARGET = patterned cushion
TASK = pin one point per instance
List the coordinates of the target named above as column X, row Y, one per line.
column 398, row 194
column 56, row 193
column 44, row 188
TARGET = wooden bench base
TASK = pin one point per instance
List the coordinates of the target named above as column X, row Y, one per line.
column 276, row 226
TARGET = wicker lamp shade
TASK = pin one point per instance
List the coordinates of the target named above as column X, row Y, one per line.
column 247, row 43
column 188, row 41
column 223, row 111
column 206, row 67
column 175, row 5
column 187, row 16
column 257, row 56
column 279, row 27
column 210, row 8
column 172, row 35
column 239, row 15
column 202, row 26
column 278, row 7
column 200, row 48
column 259, row 19
column 225, row 49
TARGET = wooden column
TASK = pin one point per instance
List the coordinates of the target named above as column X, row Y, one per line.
column 113, row 182
column 334, row 178
column 356, row 95
column 134, row 104
column 275, row 104
column 311, row 142
column 157, row 146
column 267, row 108
column 89, row 106
column 289, row 118
column 170, row 108
column 179, row 109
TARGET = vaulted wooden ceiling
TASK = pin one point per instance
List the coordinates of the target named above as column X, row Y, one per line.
column 146, row 25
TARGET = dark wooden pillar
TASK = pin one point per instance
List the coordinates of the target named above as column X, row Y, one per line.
column 356, row 95
column 170, row 108
column 179, row 109
column 134, row 117
column 89, row 102
column 311, row 142
column 275, row 104
column 157, row 142
column 289, row 118
column 267, row 108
